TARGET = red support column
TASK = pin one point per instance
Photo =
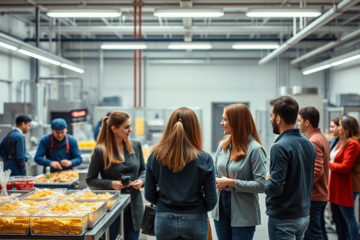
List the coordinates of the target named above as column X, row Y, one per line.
column 135, row 3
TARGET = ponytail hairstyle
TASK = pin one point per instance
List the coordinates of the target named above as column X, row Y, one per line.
column 242, row 125
column 106, row 139
column 181, row 140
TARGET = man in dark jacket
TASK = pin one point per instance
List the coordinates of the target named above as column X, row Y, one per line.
column 289, row 187
column 12, row 147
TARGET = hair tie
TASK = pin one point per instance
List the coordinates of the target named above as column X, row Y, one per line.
column 180, row 120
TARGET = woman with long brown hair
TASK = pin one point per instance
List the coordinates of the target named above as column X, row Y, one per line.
column 116, row 157
column 344, row 182
column 240, row 175
column 180, row 180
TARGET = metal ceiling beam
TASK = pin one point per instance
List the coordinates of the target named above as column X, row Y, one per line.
column 107, row 23
column 314, row 26
column 350, row 19
column 327, row 47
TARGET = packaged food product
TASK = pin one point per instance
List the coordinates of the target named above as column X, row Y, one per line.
column 62, row 176
column 24, row 182
column 58, row 223
column 44, row 194
column 14, row 222
column 12, row 196
column 9, row 184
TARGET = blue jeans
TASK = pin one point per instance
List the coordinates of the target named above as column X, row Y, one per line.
column 345, row 221
column 316, row 229
column 224, row 230
column 129, row 233
column 181, row 226
column 287, row 229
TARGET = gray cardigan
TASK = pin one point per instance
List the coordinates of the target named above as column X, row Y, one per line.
column 134, row 166
column 249, row 174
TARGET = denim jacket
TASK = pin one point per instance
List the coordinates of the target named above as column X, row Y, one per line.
column 249, row 174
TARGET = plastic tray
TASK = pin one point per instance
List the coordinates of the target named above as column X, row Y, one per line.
column 94, row 215
column 57, row 193
column 57, row 224
column 110, row 203
column 13, row 224
column 10, row 197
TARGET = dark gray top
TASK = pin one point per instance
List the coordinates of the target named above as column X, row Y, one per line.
column 134, row 166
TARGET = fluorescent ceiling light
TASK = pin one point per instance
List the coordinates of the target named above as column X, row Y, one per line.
column 188, row 12
column 317, row 69
column 282, row 12
column 124, row 46
column 8, row 46
column 39, row 57
column 345, row 60
column 84, row 13
column 255, row 45
column 189, row 46
column 79, row 70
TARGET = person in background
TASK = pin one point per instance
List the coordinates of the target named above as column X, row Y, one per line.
column 240, row 171
column 98, row 127
column 334, row 129
column 12, row 147
column 308, row 122
column 58, row 150
column 292, row 162
column 180, row 180
column 116, row 157
column 342, row 161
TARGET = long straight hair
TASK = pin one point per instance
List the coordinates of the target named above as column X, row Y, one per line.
column 352, row 130
column 106, row 139
column 242, row 125
column 181, row 140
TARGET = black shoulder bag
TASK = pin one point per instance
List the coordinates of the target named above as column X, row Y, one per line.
column 148, row 221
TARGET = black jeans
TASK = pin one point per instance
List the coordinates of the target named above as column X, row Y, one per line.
column 316, row 229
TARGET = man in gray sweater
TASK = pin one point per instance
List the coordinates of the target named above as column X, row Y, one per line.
column 290, row 184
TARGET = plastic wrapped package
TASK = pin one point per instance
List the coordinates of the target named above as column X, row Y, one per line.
column 96, row 211
column 10, row 197
column 14, row 222
column 30, row 206
column 44, row 194
column 59, row 223
column 111, row 196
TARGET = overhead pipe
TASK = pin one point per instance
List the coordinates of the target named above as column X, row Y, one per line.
column 135, row 2
column 37, row 65
column 327, row 47
column 177, row 39
column 140, row 60
column 319, row 22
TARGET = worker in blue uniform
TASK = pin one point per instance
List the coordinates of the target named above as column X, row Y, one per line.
column 98, row 126
column 58, row 150
column 12, row 147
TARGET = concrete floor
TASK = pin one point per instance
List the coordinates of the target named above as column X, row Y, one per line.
column 261, row 232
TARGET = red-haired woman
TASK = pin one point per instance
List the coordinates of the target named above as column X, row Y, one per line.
column 343, row 185
column 240, row 171
column 114, row 157
column 180, row 180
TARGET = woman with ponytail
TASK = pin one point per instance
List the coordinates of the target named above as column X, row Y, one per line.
column 116, row 157
column 240, row 171
column 180, row 180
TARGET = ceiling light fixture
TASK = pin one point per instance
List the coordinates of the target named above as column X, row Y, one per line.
column 188, row 12
column 189, row 46
column 255, row 45
column 336, row 61
column 79, row 70
column 8, row 46
column 84, row 13
column 42, row 58
column 133, row 45
column 282, row 13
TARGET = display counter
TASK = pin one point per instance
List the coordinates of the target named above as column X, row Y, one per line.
column 101, row 228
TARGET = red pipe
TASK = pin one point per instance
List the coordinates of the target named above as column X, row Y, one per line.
column 140, row 59
column 135, row 55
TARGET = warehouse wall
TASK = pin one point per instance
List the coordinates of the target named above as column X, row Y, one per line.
column 345, row 79
column 16, row 67
column 198, row 85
